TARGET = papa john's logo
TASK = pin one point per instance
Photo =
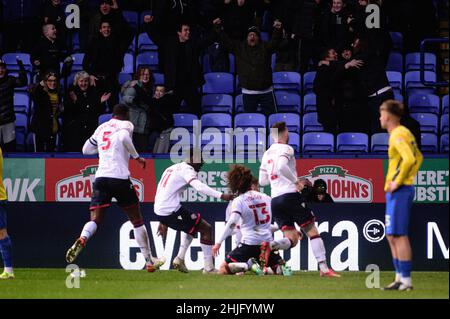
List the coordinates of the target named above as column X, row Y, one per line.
column 343, row 187
column 78, row 188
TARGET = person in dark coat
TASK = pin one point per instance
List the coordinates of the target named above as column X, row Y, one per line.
column 7, row 114
column 83, row 105
column 54, row 14
column 320, row 194
column 335, row 30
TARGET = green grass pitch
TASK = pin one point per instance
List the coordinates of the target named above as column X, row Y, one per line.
column 108, row 283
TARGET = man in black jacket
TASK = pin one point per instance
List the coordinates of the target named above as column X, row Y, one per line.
column 253, row 63
column 7, row 115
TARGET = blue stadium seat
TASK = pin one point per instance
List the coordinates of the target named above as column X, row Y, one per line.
column 220, row 121
column 395, row 62
column 22, row 121
column 148, row 58
column 218, row 82
column 77, row 61
column 132, row 47
column 444, row 143
column 11, row 61
column 128, row 63
column 294, row 141
column 423, row 103
column 397, row 41
column 292, row 121
column 395, row 80
column 286, row 81
column 352, row 143
column 309, row 103
column 207, row 67
column 21, row 102
column 318, row 143
column 445, row 104
column 444, row 124
column 104, row 118
column 185, row 120
column 76, row 42
column 21, row 128
column 253, row 120
column 429, row 143
column 288, row 102
column 273, row 60
column 428, row 122
column 265, row 36
column 212, row 141
column 124, row 77
column 159, row 78
column 238, row 104
column 413, row 84
column 412, row 62
column 249, row 142
column 308, row 81
column 132, row 18
column 398, row 96
column 217, row 103
column 310, row 123
column 145, row 43
column 16, row 74
column 379, row 143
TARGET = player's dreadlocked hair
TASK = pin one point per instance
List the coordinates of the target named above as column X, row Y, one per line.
column 239, row 179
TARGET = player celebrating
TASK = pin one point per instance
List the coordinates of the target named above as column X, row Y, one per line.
column 112, row 141
column 404, row 162
column 174, row 181
column 5, row 241
column 288, row 205
column 251, row 209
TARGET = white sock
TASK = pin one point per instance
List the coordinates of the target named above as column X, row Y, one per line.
column 9, row 270
column 89, row 230
column 207, row 255
column 407, row 281
column 398, row 277
column 141, row 236
column 318, row 249
column 238, row 267
column 280, row 244
column 185, row 242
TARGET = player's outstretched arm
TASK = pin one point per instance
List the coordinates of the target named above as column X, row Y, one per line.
column 228, row 231
column 90, row 147
column 205, row 189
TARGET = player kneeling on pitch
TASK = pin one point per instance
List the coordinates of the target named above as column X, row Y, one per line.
column 251, row 210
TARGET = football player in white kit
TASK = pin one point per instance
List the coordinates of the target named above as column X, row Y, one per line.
column 174, row 180
column 288, row 205
column 251, row 210
column 112, row 141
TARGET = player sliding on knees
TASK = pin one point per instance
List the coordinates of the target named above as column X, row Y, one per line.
column 170, row 213
column 112, row 141
column 288, row 206
column 251, row 210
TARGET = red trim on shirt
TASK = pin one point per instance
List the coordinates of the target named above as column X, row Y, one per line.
column 99, row 206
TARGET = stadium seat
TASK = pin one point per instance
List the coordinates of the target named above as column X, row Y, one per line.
column 318, row 143
column 212, row 141
column 145, row 43
column 413, row 84
column 423, row 103
column 286, row 81
column 248, row 142
column 287, row 102
column 444, row 143
column 207, row 67
column 352, row 143
column 294, row 141
column 149, row 58
column 11, row 61
column 428, row 122
column 238, row 104
column 253, row 120
column 128, row 63
column 21, row 128
column 395, row 62
column 132, row 18
column 379, row 143
column 444, row 124
column 16, row 74
column 132, row 47
column 292, row 121
column 309, row 103
column 395, row 80
column 398, row 96
column 104, row 118
column 185, row 120
column 218, row 82
column 124, row 77
column 75, row 42
column 412, row 62
column 217, row 103
column 265, row 36
column 397, row 41
column 273, row 60
column 77, row 61
column 220, row 121
column 310, row 123
column 159, row 78
column 21, row 102
column 308, row 82
column 445, row 104
column 429, row 143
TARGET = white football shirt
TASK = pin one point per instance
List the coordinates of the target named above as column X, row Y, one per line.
column 256, row 216
column 279, row 183
column 113, row 153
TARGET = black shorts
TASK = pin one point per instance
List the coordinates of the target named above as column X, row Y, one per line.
column 182, row 220
column 291, row 208
column 105, row 188
column 242, row 253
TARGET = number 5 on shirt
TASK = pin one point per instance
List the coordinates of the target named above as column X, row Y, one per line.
column 106, row 139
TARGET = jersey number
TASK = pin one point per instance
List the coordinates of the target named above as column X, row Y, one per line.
column 165, row 178
column 258, row 210
column 107, row 140
column 272, row 175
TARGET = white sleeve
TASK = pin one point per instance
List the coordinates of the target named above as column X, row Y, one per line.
column 229, row 227
column 204, row 189
column 263, row 179
column 283, row 168
column 90, row 147
column 125, row 138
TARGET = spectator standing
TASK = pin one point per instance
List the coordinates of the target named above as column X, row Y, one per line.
column 7, row 114
column 335, row 30
column 47, row 108
column 54, row 14
column 253, row 63
column 83, row 105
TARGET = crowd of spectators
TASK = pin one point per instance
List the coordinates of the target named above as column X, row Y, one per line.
column 327, row 36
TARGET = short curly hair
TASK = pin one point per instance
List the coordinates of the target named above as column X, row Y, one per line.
column 240, row 179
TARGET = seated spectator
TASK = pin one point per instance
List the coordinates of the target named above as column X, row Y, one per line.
column 54, row 14
column 49, row 52
column 7, row 114
column 83, row 105
column 47, row 108
column 253, row 63
column 305, row 187
column 320, row 194
column 137, row 94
